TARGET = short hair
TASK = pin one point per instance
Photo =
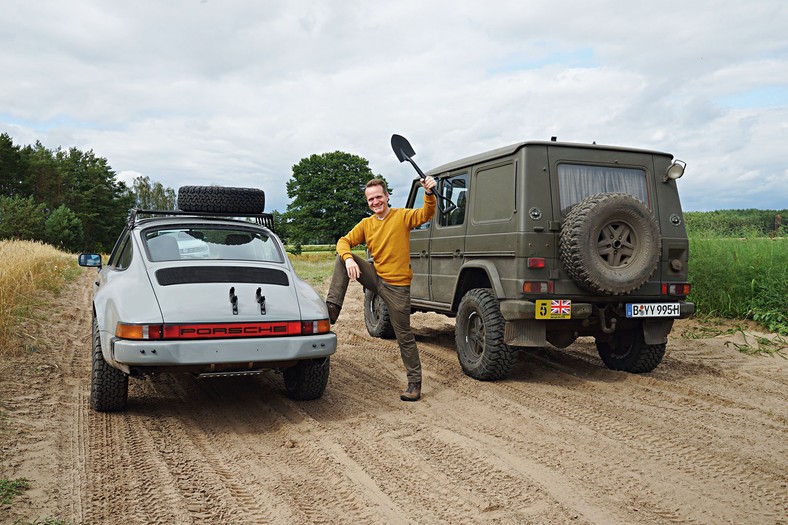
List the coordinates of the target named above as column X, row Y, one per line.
column 377, row 182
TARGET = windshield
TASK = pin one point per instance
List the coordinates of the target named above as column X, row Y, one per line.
column 577, row 181
column 209, row 243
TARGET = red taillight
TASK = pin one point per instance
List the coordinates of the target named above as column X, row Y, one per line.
column 536, row 262
column 538, row 287
column 676, row 289
column 315, row 327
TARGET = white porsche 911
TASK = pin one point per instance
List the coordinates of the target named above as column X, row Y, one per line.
column 207, row 289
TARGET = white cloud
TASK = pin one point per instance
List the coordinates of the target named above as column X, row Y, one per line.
column 236, row 93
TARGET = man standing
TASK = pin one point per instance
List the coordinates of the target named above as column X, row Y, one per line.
column 387, row 236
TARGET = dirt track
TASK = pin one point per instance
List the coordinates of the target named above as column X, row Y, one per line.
column 703, row 439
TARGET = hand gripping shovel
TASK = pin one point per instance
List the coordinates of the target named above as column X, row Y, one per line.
column 404, row 151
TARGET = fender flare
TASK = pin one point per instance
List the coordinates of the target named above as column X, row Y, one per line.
column 492, row 276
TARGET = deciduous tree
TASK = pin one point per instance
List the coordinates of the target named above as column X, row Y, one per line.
column 327, row 193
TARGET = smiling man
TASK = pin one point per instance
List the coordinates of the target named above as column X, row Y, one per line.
column 387, row 236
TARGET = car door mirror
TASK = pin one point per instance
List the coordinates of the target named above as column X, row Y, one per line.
column 91, row 260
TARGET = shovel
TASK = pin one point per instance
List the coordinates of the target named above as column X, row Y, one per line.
column 404, row 151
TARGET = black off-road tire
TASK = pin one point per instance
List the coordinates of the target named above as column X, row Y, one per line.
column 307, row 380
column 219, row 199
column 610, row 243
column 109, row 387
column 628, row 352
column 376, row 316
column 479, row 337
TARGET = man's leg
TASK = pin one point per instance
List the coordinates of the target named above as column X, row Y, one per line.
column 340, row 281
column 397, row 299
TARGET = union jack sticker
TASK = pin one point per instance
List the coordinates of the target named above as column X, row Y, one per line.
column 553, row 309
column 560, row 307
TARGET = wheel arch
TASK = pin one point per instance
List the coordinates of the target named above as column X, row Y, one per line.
column 477, row 274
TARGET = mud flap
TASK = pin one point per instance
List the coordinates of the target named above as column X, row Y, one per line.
column 525, row 333
column 655, row 332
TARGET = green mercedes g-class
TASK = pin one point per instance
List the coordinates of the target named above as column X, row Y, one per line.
column 544, row 242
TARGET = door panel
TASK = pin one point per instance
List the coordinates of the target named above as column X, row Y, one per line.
column 447, row 247
column 419, row 248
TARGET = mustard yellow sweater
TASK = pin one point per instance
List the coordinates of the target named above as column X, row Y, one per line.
column 388, row 241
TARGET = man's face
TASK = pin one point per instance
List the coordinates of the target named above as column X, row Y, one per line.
column 377, row 199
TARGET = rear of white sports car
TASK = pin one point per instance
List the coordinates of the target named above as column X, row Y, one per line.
column 209, row 297
column 240, row 308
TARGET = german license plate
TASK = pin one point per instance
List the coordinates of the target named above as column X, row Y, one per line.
column 653, row 310
column 553, row 309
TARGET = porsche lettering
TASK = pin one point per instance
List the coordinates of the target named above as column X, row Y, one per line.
column 241, row 330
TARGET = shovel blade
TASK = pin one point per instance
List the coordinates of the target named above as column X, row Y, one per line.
column 402, row 148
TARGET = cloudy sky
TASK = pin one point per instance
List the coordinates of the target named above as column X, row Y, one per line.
column 237, row 92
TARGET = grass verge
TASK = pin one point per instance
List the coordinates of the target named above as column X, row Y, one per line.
column 28, row 268
column 315, row 267
column 741, row 278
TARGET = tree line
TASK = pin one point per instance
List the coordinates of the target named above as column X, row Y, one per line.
column 67, row 197
column 73, row 200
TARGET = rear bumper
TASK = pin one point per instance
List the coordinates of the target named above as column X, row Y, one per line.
column 516, row 310
column 222, row 351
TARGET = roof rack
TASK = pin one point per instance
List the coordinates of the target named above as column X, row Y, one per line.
column 263, row 219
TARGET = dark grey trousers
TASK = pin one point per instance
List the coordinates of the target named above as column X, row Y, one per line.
column 397, row 298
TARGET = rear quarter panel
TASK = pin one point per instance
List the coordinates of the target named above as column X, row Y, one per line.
column 124, row 295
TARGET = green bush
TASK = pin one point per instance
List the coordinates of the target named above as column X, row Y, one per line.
column 737, row 223
column 741, row 278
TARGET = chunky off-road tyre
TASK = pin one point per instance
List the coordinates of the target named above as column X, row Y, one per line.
column 308, row 379
column 376, row 316
column 628, row 352
column 479, row 336
column 219, row 199
column 610, row 243
column 109, row 387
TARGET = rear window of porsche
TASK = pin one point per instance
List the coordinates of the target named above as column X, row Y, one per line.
column 210, row 243
column 578, row 181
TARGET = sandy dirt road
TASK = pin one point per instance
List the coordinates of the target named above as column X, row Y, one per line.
column 703, row 439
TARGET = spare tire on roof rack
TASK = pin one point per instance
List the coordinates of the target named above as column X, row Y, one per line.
column 221, row 199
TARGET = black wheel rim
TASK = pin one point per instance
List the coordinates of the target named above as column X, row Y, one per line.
column 374, row 305
column 475, row 334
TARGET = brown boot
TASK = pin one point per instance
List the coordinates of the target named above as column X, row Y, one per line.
column 413, row 393
column 333, row 311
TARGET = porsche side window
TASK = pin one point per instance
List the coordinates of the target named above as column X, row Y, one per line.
column 115, row 253
column 125, row 255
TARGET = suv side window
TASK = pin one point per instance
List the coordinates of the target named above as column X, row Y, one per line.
column 418, row 201
column 493, row 194
column 455, row 188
